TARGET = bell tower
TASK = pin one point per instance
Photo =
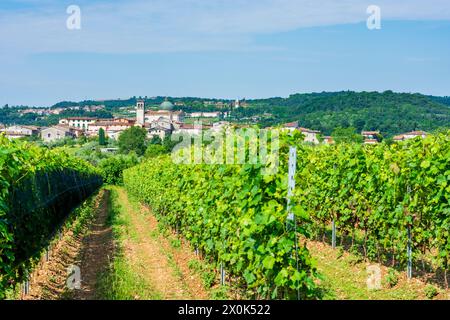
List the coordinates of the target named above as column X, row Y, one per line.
column 140, row 112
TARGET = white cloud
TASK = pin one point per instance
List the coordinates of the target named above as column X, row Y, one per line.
column 187, row 25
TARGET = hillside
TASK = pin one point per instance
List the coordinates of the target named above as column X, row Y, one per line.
column 389, row 112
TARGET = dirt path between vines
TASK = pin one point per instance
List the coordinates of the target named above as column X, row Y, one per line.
column 153, row 257
column 88, row 250
column 96, row 254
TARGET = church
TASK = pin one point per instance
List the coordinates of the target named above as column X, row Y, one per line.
column 161, row 122
column 165, row 112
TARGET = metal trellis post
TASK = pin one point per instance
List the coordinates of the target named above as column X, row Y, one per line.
column 291, row 182
column 291, row 186
column 409, row 248
column 333, row 235
column 409, row 253
column 222, row 274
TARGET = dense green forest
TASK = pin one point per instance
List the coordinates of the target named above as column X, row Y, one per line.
column 391, row 113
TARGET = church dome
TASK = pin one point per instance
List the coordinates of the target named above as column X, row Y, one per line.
column 166, row 105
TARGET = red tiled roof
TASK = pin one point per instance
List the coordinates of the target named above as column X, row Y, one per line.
column 111, row 123
column 308, row 130
column 291, row 125
column 80, row 118
column 192, row 126
column 417, row 133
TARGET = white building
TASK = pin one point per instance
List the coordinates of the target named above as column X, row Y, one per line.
column 410, row 135
column 78, row 122
column 161, row 128
column 140, row 113
column 18, row 131
column 310, row 135
column 205, row 114
column 176, row 116
column 165, row 112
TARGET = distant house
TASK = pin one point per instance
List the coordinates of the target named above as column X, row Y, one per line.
column 93, row 108
column 191, row 129
column 20, row 131
column 310, row 135
column 221, row 125
column 371, row 137
column 161, row 128
column 57, row 133
column 328, row 140
column 78, row 122
column 291, row 126
column 205, row 114
column 410, row 135
column 112, row 127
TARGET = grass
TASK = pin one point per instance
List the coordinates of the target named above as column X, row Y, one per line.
column 344, row 276
column 120, row 281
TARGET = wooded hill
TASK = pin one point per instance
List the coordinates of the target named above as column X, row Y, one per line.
column 391, row 113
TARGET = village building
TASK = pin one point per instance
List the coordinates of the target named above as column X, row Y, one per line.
column 371, row 137
column 78, row 122
column 112, row 127
column 93, row 108
column 311, row 136
column 328, row 140
column 57, row 133
column 161, row 128
column 20, row 131
column 410, row 135
column 165, row 111
column 215, row 114
column 191, row 129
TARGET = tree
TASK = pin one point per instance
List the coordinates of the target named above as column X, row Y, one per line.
column 112, row 168
column 156, row 140
column 101, row 137
column 82, row 140
column 133, row 139
column 168, row 143
column 341, row 135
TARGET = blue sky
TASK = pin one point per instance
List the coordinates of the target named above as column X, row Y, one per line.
column 219, row 48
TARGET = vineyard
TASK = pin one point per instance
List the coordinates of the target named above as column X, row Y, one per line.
column 380, row 198
column 38, row 190
column 387, row 203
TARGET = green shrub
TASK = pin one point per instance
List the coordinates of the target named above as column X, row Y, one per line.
column 391, row 279
column 430, row 291
column 112, row 168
